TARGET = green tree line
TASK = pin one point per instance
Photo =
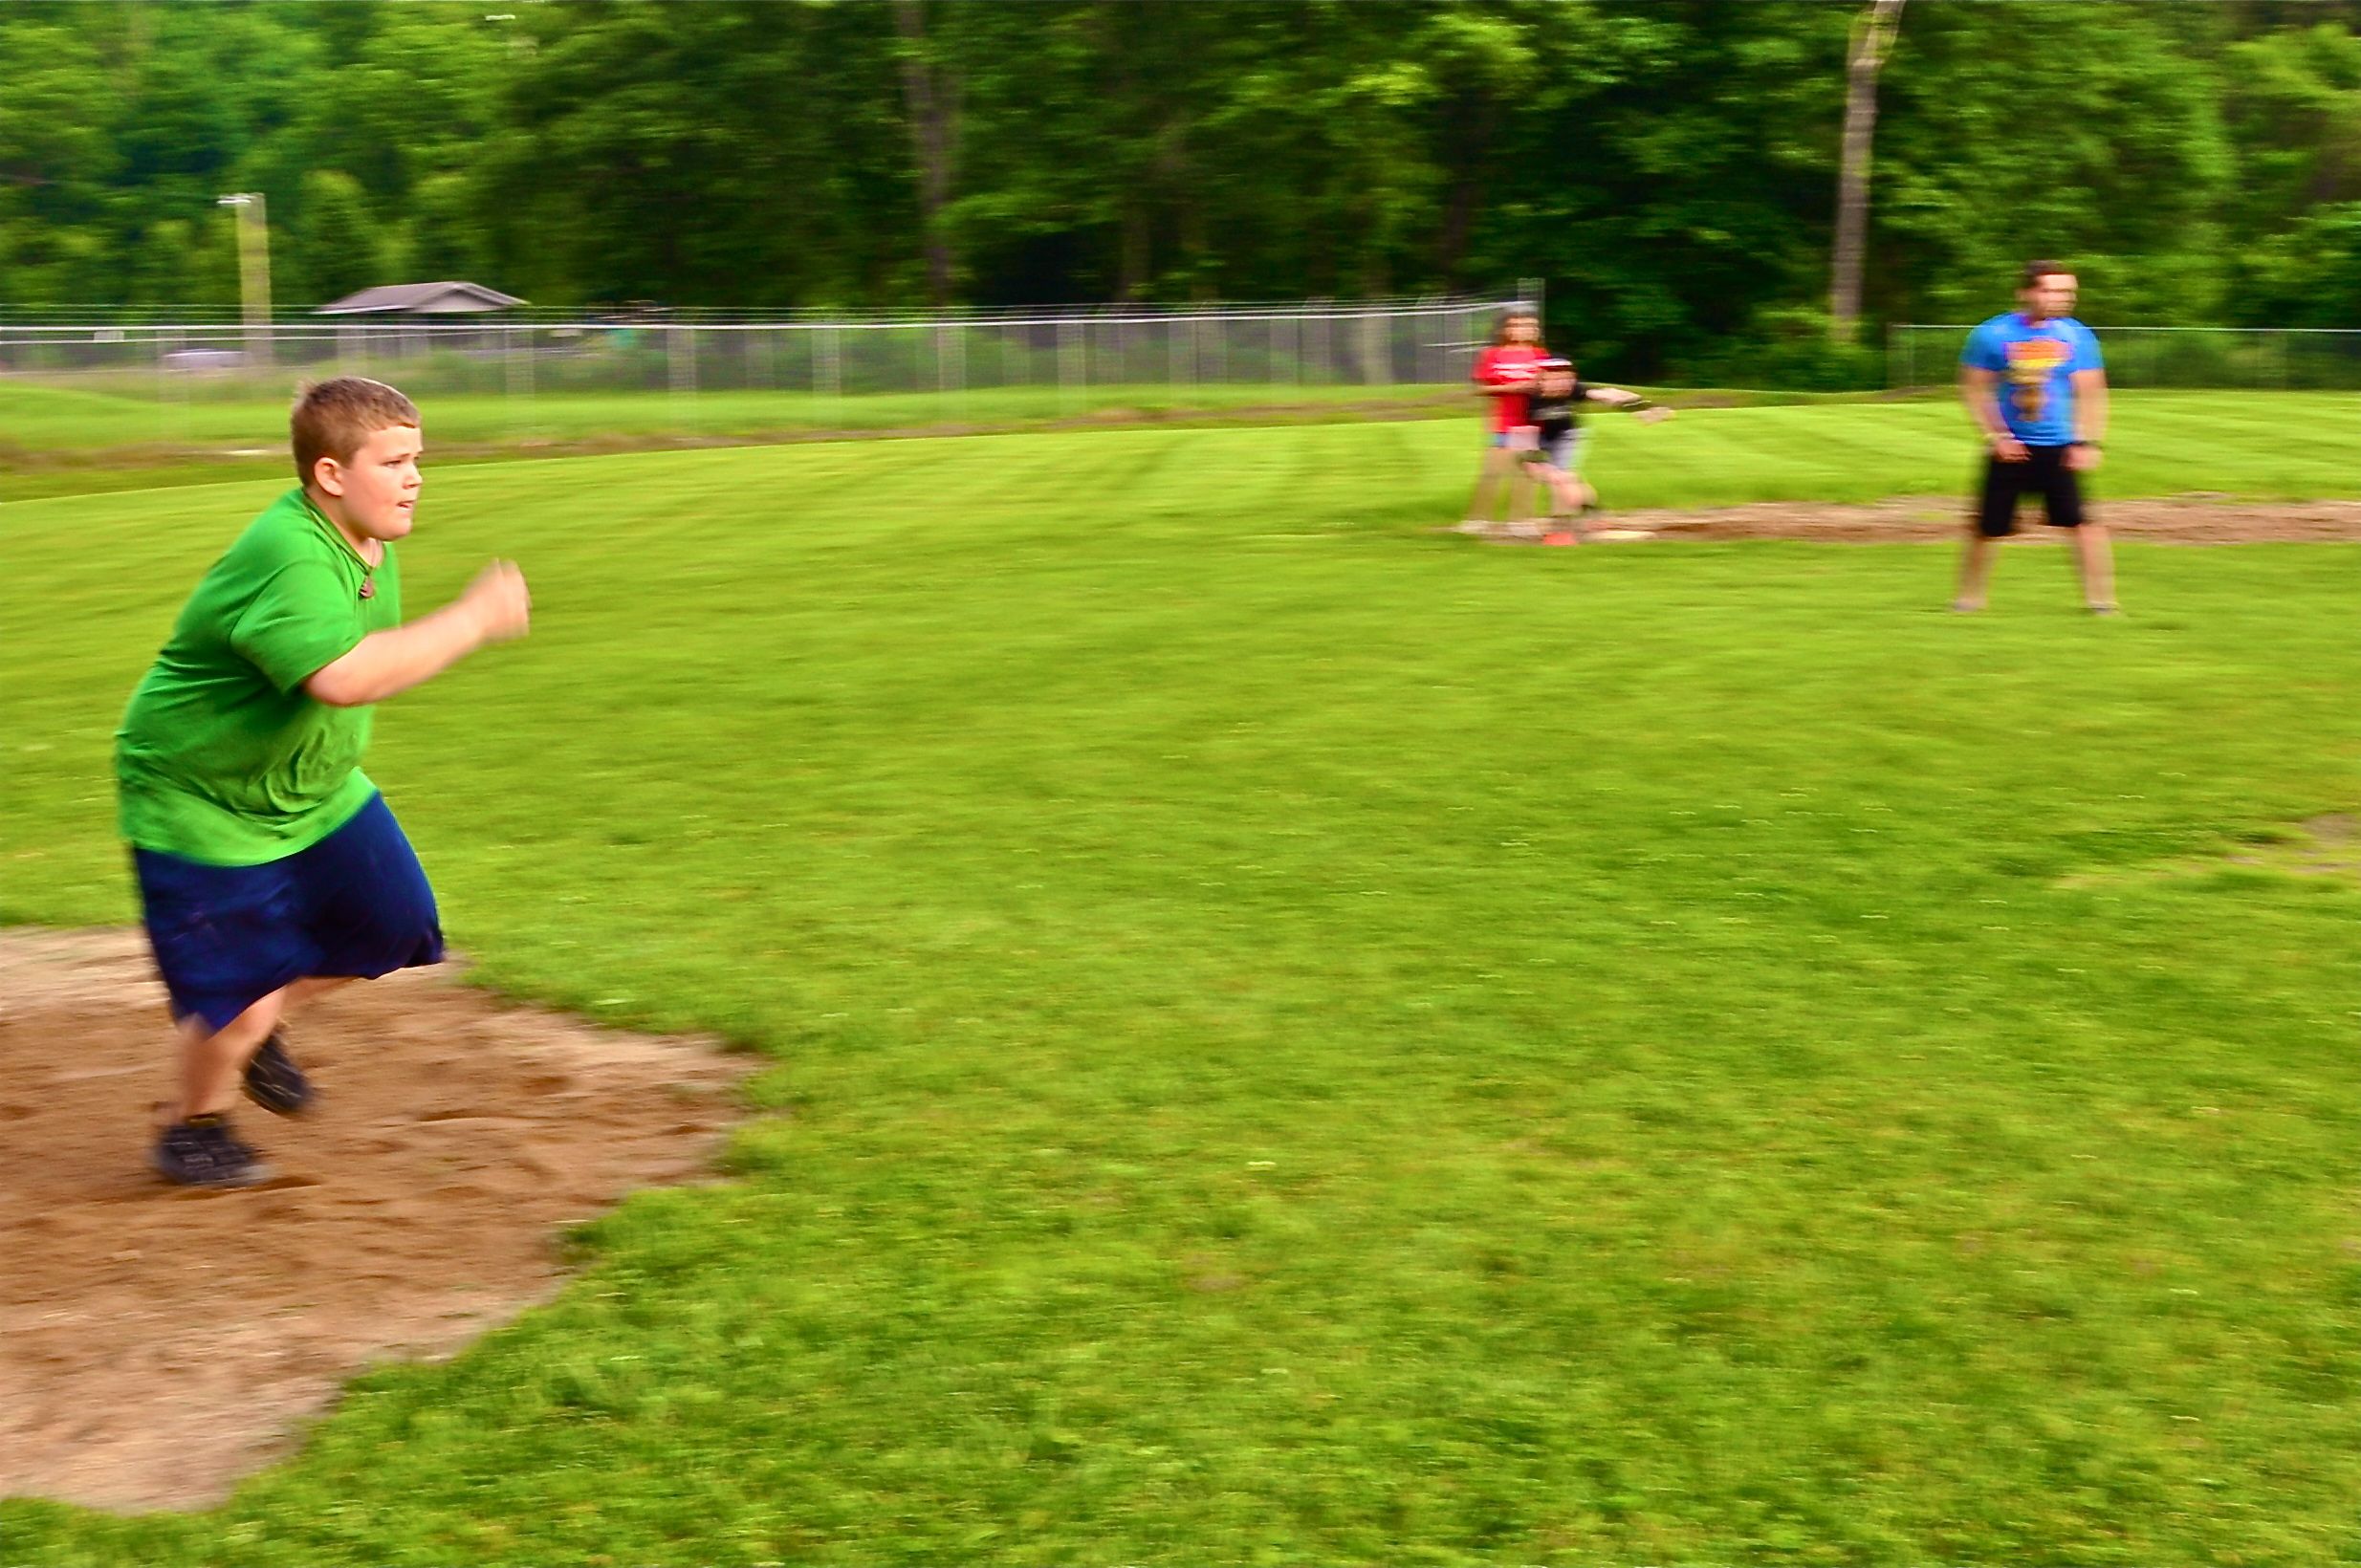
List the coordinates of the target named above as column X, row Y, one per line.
column 1669, row 166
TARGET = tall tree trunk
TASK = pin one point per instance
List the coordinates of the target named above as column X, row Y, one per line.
column 1169, row 172
column 1458, row 219
column 1472, row 147
column 932, row 95
column 1189, row 215
column 1131, row 264
column 1873, row 38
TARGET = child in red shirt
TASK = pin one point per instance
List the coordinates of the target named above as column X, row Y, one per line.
column 1505, row 374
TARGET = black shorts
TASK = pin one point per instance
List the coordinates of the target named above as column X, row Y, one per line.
column 2043, row 470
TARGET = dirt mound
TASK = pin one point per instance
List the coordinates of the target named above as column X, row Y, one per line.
column 157, row 1344
column 2193, row 519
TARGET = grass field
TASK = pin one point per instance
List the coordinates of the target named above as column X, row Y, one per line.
column 49, row 418
column 1299, row 1040
column 1769, row 445
column 66, row 440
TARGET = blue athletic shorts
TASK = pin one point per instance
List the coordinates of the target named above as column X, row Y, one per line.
column 225, row 936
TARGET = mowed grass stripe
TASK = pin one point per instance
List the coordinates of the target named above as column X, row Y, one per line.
column 2229, row 435
column 2266, row 445
column 2159, row 443
column 1794, row 459
column 71, row 419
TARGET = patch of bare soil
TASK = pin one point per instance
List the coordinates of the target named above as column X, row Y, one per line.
column 2193, row 519
column 2328, row 845
column 155, row 1343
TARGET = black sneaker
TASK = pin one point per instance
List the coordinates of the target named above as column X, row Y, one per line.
column 203, row 1151
column 274, row 1082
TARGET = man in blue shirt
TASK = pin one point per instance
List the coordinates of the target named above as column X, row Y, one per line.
column 2033, row 383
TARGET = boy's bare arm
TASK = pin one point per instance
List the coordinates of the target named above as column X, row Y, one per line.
column 494, row 608
column 1617, row 397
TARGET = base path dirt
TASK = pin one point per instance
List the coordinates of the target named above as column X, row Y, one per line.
column 157, row 1344
column 2194, row 519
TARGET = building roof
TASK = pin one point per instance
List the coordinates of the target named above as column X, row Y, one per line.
column 421, row 299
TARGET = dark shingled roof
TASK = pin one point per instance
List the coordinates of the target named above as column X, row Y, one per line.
column 421, row 299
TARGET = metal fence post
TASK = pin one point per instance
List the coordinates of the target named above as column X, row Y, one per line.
column 1072, row 372
column 828, row 374
column 682, row 345
column 519, row 368
column 164, row 389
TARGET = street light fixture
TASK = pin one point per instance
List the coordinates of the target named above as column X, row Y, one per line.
column 254, row 269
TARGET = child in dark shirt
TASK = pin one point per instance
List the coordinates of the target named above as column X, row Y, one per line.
column 1555, row 460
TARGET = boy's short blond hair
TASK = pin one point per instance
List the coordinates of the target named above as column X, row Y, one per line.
column 334, row 417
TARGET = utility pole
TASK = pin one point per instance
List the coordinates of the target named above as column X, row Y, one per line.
column 254, row 271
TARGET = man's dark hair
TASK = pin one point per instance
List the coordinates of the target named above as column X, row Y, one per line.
column 2036, row 271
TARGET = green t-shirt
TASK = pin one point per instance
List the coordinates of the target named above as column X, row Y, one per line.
column 222, row 756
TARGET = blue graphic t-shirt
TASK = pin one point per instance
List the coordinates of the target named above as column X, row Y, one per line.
column 2036, row 366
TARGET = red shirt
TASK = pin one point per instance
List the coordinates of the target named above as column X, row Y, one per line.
column 1507, row 363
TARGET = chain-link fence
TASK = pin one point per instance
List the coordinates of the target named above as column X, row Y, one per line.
column 2288, row 359
column 802, row 369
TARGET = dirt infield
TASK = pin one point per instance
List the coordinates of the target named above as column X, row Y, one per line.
column 2193, row 519
column 156, row 1344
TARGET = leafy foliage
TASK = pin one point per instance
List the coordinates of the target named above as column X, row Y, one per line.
column 1667, row 165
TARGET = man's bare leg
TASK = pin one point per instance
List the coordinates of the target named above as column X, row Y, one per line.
column 1975, row 571
column 212, row 1063
column 2094, row 561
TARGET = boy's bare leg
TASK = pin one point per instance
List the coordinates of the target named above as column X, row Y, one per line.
column 1523, row 491
column 2095, row 563
column 1488, row 481
column 1548, row 487
column 1561, row 492
column 1507, row 469
column 212, row 1063
column 309, row 989
column 1975, row 571
column 1572, row 493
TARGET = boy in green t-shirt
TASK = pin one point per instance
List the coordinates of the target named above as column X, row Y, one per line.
column 269, row 868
